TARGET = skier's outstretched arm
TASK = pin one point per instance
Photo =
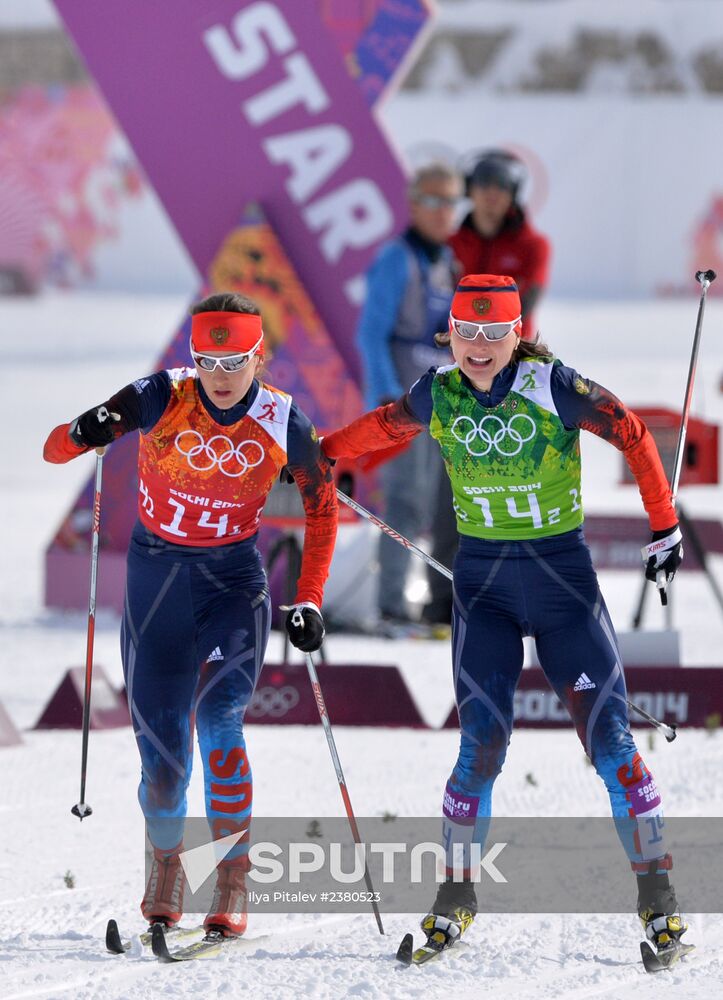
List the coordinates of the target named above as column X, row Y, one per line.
column 375, row 430
column 138, row 405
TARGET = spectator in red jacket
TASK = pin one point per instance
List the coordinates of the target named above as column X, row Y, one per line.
column 496, row 238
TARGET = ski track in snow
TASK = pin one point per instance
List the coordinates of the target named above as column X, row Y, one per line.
column 52, row 938
column 522, row 956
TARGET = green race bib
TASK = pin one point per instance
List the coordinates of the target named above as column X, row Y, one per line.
column 514, row 468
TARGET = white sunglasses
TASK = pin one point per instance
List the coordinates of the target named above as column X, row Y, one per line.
column 490, row 331
column 230, row 363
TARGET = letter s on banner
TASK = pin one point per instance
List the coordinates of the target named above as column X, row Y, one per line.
column 249, row 53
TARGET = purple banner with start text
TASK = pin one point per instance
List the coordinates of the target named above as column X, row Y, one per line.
column 228, row 102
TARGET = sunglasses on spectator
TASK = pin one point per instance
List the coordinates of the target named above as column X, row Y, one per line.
column 435, row 201
column 490, row 331
column 231, row 363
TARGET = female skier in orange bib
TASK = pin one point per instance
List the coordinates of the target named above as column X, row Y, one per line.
column 197, row 614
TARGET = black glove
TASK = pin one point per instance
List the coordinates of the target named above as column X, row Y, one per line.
column 95, row 428
column 305, row 626
column 345, row 484
column 663, row 554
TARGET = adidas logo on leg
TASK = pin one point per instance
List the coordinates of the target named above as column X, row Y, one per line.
column 215, row 655
column 583, row 683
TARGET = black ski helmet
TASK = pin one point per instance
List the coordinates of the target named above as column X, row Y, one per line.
column 500, row 168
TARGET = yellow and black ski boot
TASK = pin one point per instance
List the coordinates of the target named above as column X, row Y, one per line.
column 663, row 924
column 453, row 911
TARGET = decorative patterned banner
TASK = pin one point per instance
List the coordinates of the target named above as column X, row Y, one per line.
column 64, row 182
column 375, row 37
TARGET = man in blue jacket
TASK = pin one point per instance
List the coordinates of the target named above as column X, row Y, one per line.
column 409, row 290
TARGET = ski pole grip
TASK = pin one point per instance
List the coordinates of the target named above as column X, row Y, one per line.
column 661, row 584
column 708, row 276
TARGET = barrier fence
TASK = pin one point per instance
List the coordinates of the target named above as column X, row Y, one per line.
column 375, row 695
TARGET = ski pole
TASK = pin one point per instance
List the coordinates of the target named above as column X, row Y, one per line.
column 705, row 278
column 82, row 809
column 668, row 731
column 324, row 716
column 388, row 530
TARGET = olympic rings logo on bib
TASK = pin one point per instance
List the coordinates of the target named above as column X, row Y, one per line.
column 232, row 460
column 507, row 439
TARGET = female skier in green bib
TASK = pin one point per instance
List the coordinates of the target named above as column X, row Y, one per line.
column 507, row 417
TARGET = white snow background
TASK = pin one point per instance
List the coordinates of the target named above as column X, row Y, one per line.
column 63, row 353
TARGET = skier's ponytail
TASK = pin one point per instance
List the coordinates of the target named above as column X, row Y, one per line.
column 527, row 349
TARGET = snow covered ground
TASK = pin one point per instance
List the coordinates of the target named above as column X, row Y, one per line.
column 52, row 937
column 61, row 354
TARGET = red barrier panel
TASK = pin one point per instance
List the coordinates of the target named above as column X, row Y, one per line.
column 9, row 735
column 700, row 455
column 615, row 541
column 355, row 696
column 687, row 696
column 108, row 709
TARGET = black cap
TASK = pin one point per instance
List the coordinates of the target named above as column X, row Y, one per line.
column 498, row 169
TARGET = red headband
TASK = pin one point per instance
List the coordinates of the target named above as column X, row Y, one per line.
column 486, row 298
column 226, row 331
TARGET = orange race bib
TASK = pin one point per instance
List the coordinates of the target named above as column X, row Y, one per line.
column 201, row 483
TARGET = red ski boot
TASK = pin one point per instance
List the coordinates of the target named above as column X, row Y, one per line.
column 163, row 899
column 228, row 907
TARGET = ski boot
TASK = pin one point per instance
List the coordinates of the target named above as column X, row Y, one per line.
column 453, row 911
column 228, row 916
column 163, row 899
column 663, row 924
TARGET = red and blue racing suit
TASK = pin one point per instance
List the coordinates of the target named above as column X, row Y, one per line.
column 197, row 610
